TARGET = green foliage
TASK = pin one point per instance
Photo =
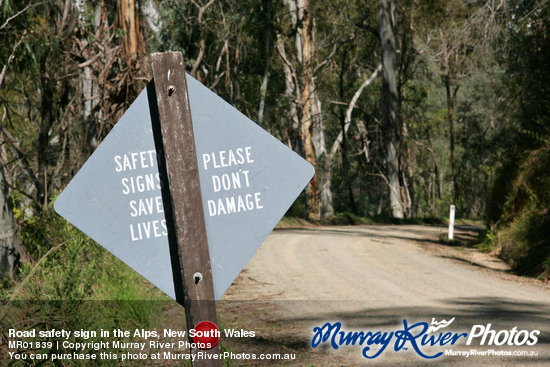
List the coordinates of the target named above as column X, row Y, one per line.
column 540, row 138
column 528, row 65
column 525, row 243
column 298, row 209
column 73, row 283
column 519, row 199
column 525, row 220
column 228, row 362
column 73, row 267
column 488, row 241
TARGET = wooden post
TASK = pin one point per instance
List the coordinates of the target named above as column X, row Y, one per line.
column 182, row 197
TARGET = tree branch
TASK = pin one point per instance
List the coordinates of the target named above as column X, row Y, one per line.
column 17, row 14
column 327, row 60
column 20, row 154
column 368, row 28
column 351, row 106
column 202, row 42
column 12, row 56
column 290, row 82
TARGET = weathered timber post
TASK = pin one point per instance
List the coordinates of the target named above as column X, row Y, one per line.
column 184, row 208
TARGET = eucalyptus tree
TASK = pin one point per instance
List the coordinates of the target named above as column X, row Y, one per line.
column 12, row 252
column 391, row 119
column 465, row 40
column 71, row 69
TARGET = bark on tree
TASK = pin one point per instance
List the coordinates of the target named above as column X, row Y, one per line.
column 152, row 16
column 130, row 24
column 267, row 53
column 351, row 106
column 46, row 114
column 340, row 141
column 291, row 89
column 90, row 86
column 201, row 8
column 343, row 145
column 12, row 252
column 305, row 32
column 391, row 124
column 306, row 110
column 451, row 98
column 450, row 93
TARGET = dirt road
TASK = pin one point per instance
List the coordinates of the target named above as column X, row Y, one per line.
column 371, row 278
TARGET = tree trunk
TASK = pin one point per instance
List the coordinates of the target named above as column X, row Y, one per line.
column 290, row 87
column 451, row 97
column 267, row 50
column 391, row 125
column 448, row 55
column 311, row 125
column 90, row 89
column 152, row 17
column 305, row 109
column 130, row 24
column 202, row 42
column 12, row 252
column 318, row 137
column 305, row 29
column 340, row 141
column 46, row 114
column 343, row 147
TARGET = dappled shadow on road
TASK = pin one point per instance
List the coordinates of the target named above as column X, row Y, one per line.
column 291, row 323
column 494, row 263
column 435, row 234
column 356, row 231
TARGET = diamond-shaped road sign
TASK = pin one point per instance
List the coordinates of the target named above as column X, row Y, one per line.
column 248, row 180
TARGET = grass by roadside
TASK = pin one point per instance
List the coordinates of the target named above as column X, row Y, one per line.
column 70, row 284
column 524, row 249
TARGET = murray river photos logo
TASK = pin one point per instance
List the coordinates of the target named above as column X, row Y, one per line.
column 418, row 337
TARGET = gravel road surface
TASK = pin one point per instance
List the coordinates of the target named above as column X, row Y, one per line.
column 371, row 278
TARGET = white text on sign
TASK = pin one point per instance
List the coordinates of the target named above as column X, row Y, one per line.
column 144, row 177
column 231, row 184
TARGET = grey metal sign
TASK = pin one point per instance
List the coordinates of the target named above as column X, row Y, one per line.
column 248, row 181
